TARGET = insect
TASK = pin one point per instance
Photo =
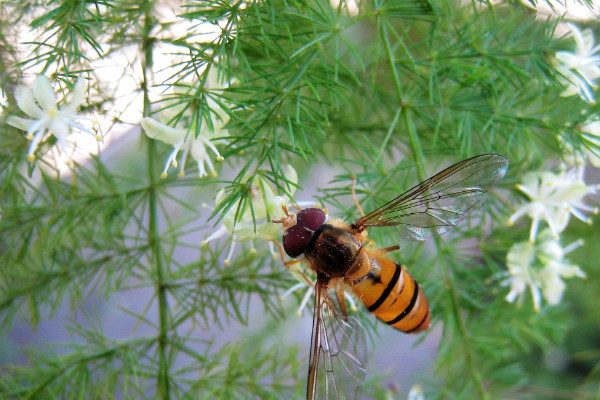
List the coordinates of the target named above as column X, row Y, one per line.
column 338, row 254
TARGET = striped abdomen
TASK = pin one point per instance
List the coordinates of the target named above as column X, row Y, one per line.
column 393, row 296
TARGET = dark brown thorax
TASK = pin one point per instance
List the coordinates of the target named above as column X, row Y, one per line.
column 333, row 251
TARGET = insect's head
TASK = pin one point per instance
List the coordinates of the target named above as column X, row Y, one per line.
column 299, row 229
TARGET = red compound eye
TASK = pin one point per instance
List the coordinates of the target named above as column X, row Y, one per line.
column 311, row 218
column 296, row 240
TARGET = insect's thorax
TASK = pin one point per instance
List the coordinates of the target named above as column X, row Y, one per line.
column 336, row 252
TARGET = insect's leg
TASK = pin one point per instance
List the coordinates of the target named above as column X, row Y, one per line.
column 391, row 248
column 353, row 178
column 287, row 264
column 339, row 292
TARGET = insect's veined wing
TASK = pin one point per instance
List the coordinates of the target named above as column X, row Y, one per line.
column 337, row 364
column 442, row 201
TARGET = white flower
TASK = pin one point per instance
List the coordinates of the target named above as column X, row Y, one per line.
column 350, row 7
column 519, row 260
column 540, row 267
column 255, row 220
column 553, row 198
column 574, row 10
column 416, row 393
column 588, row 151
column 579, row 69
column 3, row 101
column 591, row 132
column 182, row 139
column 41, row 105
column 302, row 284
column 185, row 139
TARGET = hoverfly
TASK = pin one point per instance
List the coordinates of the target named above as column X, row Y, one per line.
column 335, row 251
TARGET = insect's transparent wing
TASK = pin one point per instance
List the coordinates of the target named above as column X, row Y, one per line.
column 337, row 364
column 442, row 201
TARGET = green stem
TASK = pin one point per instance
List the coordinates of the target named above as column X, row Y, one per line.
column 403, row 107
column 163, row 381
column 449, row 284
column 71, row 362
column 415, row 145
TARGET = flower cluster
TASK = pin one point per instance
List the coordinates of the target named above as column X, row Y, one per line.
column 589, row 149
column 553, row 198
column 416, row 393
column 591, row 133
column 539, row 264
column 540, row 267
column 183, row 139
column 578, row 70
column 254, row 222
column 565, row 10
column 188, row 140
column 47, row 118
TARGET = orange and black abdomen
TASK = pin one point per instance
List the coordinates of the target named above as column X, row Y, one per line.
column 393, row 296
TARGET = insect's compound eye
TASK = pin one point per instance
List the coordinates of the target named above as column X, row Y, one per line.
column 311, row 218
column 296, row 240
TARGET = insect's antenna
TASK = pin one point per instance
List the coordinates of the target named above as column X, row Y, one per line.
column 353, row 178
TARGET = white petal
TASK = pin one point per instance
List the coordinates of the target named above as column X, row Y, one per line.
column 416, row 393
column 171, row 159
column 227, row 261
column 291, row 290
column 518, row 214
column 568, row 270
column 59, row 128
column 570, row 90
column 216, row 234
column 78, row 126
column 26, row 102
column 21, row 123
column 592, row 128
column 571, row 193
column 535, row 223
column 37, row 138
column 557, row 219
column 516, row 290
column 162, row 132
column 220, row 196
column 537, row 298
column 78, row 94
column 567, row 59
column 268, row 231
column 198, row 150
column 584, row 40
column 519, row 257
column 209, row 165
column 276, row 208
column 208, row 143
column 44, row 94
column 591, row 72
column 183, row 160
column 292, row 176
column 553, row 290
column 245, row 234
column 309, row 292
